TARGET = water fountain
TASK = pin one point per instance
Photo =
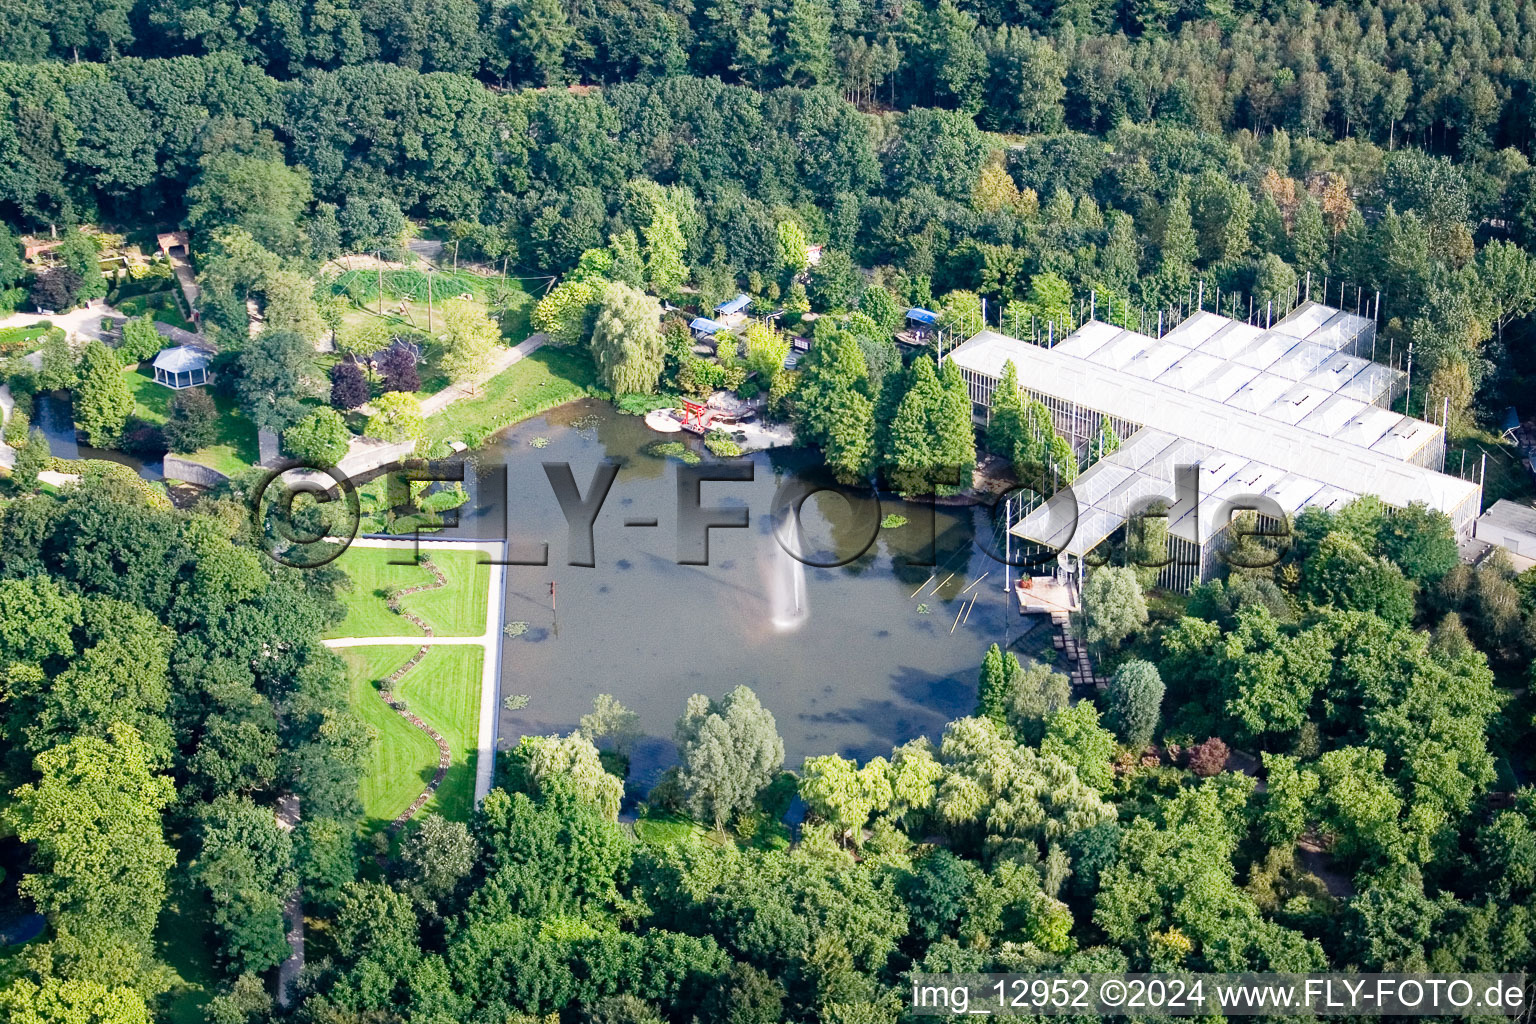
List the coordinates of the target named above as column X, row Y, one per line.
column 784, row 575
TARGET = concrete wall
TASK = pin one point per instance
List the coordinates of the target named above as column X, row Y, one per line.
column 367, row 454
column 192, row 473
column 267, row 446
column 1510, row 539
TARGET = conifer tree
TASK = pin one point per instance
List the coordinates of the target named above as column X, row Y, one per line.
column 913, row 440
column 1000, row 675
column 1006, row 428
column 956, row 434
column 102, row 399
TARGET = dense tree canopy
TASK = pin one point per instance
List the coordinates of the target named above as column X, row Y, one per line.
column 161, row 686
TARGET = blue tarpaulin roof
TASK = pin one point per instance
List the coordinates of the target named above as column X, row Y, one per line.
column 922, row 316
column 704, row 323
column 736, row 305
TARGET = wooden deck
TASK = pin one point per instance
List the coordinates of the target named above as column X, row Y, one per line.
column 1046, row 595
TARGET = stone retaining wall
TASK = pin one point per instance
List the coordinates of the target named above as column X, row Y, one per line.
column 192, row 473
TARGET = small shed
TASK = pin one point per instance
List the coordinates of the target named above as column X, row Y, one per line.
column 736, row 305
column 171, row 241
column 182, row 367
column 1511, row 526
column 704, row 328
column 920, row 323
column 733, row 312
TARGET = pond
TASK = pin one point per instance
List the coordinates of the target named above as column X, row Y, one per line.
column 851, row 660
column 54, row 415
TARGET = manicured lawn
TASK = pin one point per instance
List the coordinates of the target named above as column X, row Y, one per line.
column 457, row 609
column 16, row 340
column 234, row 448
column 547, row 378
column 444, row 691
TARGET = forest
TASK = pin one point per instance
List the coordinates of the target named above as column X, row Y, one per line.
column 1145, row 146
column 1324, row 764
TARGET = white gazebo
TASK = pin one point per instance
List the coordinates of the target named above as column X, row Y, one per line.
column 181, row 367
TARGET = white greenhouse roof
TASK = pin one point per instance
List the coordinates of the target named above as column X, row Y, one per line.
column 1141, row 474
column 1277, row 427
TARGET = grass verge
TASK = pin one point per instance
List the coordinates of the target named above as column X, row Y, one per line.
column 234, row 448
column 545, row 379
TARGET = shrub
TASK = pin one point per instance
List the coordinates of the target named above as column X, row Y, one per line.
column 349, row 387
column 443, row 500
column 15, row 433
column 1208, row 758
column 193, row 422
column 398, row 368
column 140, row 340
column 31, row 459
column 720, row 444
column 22, row 378
column 144, row 440
column 319, row 439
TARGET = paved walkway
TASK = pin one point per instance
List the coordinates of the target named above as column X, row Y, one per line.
column 433, row 404
column 77, row 323
column 182, row 268
column 490, row 642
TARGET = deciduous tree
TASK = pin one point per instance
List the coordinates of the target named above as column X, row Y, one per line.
column 472, row 344
column 99, row 851
column 319, row 439
column 275, row 368
column 729, row 750
column 626, row 340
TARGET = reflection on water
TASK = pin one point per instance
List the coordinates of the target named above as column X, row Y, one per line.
column 54, row 415
column 867, row 662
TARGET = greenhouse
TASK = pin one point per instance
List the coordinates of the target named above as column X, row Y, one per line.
column 1274, row 420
